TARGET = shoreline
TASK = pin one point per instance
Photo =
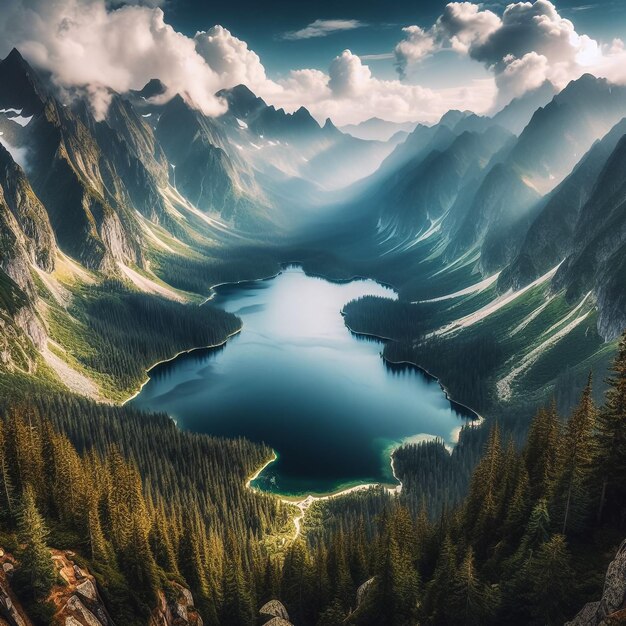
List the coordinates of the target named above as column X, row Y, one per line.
column 303, row 503
column 478, row 419
column 167, row 360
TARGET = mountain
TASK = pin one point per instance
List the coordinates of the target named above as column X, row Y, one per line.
column 597, row 261
column 375, row 129
column 553, row 142
column 516, row 115
column 419, row 193
column 550, row 238
column 500, row 209
column 560, row 133
column 279, row 144
column 209, row 176
column 267, row 121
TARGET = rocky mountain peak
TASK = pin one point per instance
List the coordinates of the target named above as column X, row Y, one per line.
column 20, row 87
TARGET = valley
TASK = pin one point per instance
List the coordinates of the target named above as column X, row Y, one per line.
column 367, row 373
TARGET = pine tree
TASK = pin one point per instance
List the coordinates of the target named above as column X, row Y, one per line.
column 7, row 492
column 611, row 443
column 238, row 605
column 97, row 543
column 436, row 600
column 483, row 503
column 552, row 579
column 541, row 452
column 35, row 559
column 571, row 498
column 471, row 601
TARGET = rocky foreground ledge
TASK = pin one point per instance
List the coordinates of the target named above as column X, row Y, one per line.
column 78, row 602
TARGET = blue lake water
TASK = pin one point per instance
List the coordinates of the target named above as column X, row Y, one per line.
column 297, row 379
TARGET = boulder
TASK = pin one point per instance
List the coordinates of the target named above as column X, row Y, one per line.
column 88, row 590
column 274, row 608
column 8, row 610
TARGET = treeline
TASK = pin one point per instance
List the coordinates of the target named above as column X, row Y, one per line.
column 528, row 545
column 465, row 364
column 120, row 333
column 393, row 319
column 199, row 273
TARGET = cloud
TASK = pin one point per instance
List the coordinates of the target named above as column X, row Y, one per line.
column 416, row 45
column 322, row 28
column 529, row 44
column 230, row 58
column 383, row 56
column 86, row 45
column 146, row 3
column 349, row 93
column 91, row 48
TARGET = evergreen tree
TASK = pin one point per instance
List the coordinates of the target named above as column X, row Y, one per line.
column 471, row 600
column 484, row 499
column 7, row 492
column 571, row 498
column 541, row 452
column 436, row 599
column 35, row 560
column 551, row 580
column 611, row 443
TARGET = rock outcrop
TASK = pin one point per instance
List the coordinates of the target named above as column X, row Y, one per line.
column 176, row 611
column 611, row 608
column 78, row 601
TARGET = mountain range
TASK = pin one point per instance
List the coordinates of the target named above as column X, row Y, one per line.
column 533, row 193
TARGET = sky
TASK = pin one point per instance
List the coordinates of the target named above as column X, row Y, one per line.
column 345, row 59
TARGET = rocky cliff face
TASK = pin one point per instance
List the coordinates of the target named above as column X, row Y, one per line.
column 596, row 260
column 610, row 610
column 560, row 133
column 83, row 193
column 550, row 238
column 203, row 170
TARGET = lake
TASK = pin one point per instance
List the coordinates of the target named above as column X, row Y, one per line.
column 297, row 379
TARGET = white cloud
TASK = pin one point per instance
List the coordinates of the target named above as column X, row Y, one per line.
column 416, row 45
column 230, row 58
column 529, row 44
column 349, row 78
column 92, row 48
column 464, row 26
column 349, row 93
column 322, row 28
column 86, row 45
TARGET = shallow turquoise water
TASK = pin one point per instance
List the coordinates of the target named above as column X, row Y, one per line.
column 297, row 379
